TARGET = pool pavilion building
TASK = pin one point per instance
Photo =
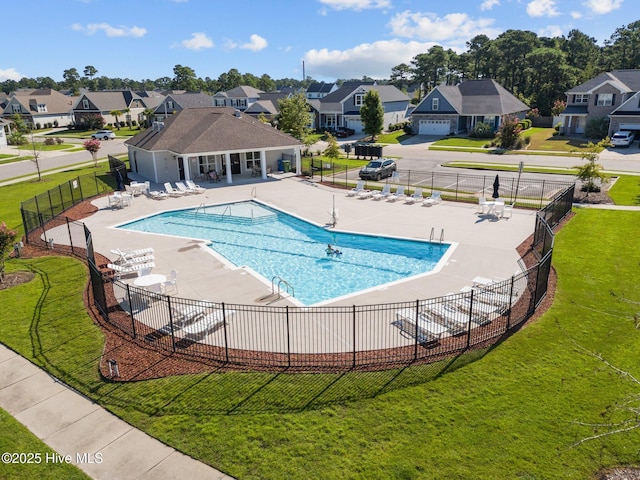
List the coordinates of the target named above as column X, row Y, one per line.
column 196, row 141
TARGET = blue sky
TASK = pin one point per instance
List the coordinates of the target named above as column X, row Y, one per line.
column 143, row 39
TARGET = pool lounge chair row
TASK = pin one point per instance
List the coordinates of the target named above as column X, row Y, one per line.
column 120, row 270
column 201, row 318
column 362, row 193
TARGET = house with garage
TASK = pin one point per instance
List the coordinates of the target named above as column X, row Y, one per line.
column 41, row 107
column 610, row 94
column 196, row 141
column 320, row 90
column 454, row 109
column 341, row 108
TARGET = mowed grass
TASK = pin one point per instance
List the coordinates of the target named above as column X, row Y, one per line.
column 513, row 413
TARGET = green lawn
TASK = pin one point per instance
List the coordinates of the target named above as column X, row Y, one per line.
column 514, row 412
column 393, row 137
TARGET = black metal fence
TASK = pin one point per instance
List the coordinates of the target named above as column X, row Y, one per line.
column 523, row 192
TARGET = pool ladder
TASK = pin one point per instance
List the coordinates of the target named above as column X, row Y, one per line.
column 198, row 209
column 433, row 233
column 281, row 281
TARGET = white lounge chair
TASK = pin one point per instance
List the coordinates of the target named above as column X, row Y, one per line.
column 417, row 195
column 211, row 321
column 428, row 331
column 127, row 269
column 449, row 316
column 134, row 260
column 508, row 208
column 384, row 193
column 124, row 255
column 482, row 205
column 183, row 188
column 365, row 194
column 158, row 195
column 399, row 193
column 172, row 191
column 357, row 189
column 195, row 187
column 435, row 197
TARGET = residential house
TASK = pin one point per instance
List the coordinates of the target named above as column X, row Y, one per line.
column 452, row 109
column 176, row 102
column 341, row 108
column 130, row 104
column 195, row 141
column 39, row 107
column 320, row 90
column 267, row 105
column 239, row 98
column 610, row 94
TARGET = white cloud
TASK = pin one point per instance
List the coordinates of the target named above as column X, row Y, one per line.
column 372, row 59
column 542, row 8
column 356, row 4
column 550, row 31
column 602, row 6
column 109, row 31
column 576, row 15
column 489, row 4
column 255, row 44
column 9, row 74
column 198, row 41
column 430, row 27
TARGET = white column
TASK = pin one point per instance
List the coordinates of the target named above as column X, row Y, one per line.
column 263, row 164
column 298, row 161
column 228, row 167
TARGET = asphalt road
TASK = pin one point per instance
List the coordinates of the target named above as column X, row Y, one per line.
column 414, row 155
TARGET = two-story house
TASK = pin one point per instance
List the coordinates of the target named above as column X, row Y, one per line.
column 240, row 98
column 601, row 96
column 319, row 90
column 130, row 105
column 176, row 102
column 452, row 109
column 341, row 108
column 40, row 107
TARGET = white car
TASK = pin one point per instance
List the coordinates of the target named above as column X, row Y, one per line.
column 622, row 139
column 103, row 135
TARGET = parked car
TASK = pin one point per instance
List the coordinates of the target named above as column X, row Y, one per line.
column 622, row 139
column 103, row 135
column 343, row 132
column 377, row 169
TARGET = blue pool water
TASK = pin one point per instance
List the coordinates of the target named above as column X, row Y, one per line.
column 273, row 243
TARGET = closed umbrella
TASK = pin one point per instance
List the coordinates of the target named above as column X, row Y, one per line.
column 496, row 187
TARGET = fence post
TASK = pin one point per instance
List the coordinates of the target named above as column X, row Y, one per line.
column 469, row 320
column 173, row 336
column 353, row 309
column 64, row 207
column 415, row 346
column 70, row 236
column 288, row 336
column 53, row 214
column 542, row 193
column 133, row 323
column 510, row 302
column 226, row 333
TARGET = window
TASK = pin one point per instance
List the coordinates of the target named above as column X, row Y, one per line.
column 42, row 107
column 605, row 99
column 435, row 103
column 219, row 102
column 85, row 104
column 358, row 99
column 16, row 109
column 253, row 160
column 170, row 105
column 581, row 98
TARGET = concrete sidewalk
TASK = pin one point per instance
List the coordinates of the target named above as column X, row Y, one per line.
column 99, row 443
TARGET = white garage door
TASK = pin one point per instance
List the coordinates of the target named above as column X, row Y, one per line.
column 355, row 124
column 634, row 127
column 434, row 127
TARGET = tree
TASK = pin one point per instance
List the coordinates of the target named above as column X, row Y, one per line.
column 295, row 116
column 7, row 236
column 116, row 114
column 90, row 71
column 509, row 132
column 372, row 114
column 400, row 75
column 92, row 146
column 72, row 79
column 266, row 83
column 333, row 150
column 148, row 116
column 597, row 127
column 558, row 107
column 36, row 157
column 184, row 78
column 591, row 171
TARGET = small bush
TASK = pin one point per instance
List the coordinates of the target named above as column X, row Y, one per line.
column 134, row 123
column 55, row 123
column 59, row 141
column 482, row 130
column 527, row 140
column 38, row 126
column 557, row 127
column 49, row 141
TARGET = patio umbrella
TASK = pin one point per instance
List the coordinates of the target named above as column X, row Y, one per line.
column 496, row 187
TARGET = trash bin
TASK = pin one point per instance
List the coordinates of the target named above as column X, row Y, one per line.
column 280, row 165
column 286, row 166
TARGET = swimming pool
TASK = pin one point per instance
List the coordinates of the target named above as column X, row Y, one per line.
column 275, row 244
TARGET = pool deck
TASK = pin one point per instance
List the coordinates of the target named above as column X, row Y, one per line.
column 484, row 245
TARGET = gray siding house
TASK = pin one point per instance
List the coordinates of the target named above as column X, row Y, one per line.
column 453, row 109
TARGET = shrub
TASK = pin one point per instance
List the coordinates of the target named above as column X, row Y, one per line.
column 59, row 141
column 482, row 130
column 55, row 123
column 527, row 140
column 38, row 126
column 557, row 127
column 597, row 128
column 134, row 123
column 49, row 141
